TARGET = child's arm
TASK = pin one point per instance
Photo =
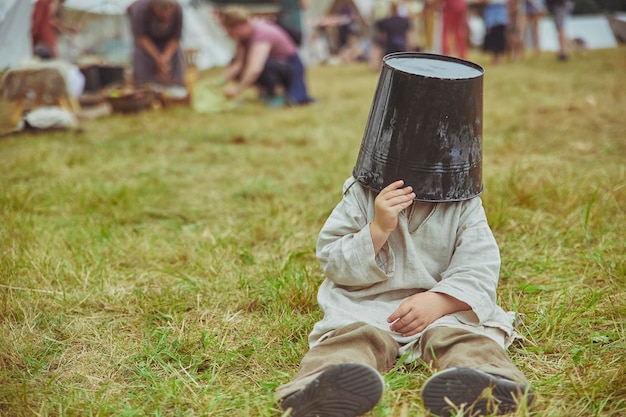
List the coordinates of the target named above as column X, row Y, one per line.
column 345, row 245
column 421, row 309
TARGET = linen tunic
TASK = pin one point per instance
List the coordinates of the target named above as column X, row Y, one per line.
column 442, row 247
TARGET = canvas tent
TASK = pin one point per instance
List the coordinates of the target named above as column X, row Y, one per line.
column 106, row 32
column 15, row 44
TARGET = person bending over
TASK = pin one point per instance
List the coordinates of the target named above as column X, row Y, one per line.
column 266, row 57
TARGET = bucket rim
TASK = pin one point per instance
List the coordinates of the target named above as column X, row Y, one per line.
column 363, row 181
column 435, row 57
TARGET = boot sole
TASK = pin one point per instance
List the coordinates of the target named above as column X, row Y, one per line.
column 472, row 390
column 345, row 390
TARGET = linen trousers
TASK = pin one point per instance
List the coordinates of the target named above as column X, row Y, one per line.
column 440, row 347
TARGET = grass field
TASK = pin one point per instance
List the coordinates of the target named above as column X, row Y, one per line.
column 163, row 263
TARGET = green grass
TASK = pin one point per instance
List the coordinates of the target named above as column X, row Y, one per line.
column 162, row 264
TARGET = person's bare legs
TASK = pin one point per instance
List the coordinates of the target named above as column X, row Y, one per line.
column 533, row 21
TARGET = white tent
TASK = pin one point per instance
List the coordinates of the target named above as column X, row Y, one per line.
column 15, row 44
column 105, row 32
column 594, row 30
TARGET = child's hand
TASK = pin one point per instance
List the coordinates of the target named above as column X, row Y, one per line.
column 389, row 203
column 421, row 309
column 387, row 206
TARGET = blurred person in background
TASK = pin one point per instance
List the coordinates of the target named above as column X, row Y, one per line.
column 429, row 13
column 524, row 18
column 560, row 10
column 455, row 28
column 290, row 17
column 533, row 10
column 376, row 51
column 265, row 57
column 47, row 25
column 393, row 30
column 496, row 18
column 157, row 55
column 515, row 29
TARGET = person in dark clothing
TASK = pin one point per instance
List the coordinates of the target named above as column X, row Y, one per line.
column 157, row 29
column 496, row 18
column 560, row 11
column 290, row 18
column 393, row 31
column 347, row 27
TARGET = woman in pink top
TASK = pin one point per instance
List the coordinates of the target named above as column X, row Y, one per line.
column 266, row 57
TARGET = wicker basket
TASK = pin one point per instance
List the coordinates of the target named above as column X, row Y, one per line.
column 133, row 101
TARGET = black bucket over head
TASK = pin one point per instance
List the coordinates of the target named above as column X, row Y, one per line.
column 425, row 127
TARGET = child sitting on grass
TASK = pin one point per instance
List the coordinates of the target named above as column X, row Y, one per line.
column 408, row 275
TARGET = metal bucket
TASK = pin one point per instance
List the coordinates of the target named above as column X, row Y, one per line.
column 425, row 127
